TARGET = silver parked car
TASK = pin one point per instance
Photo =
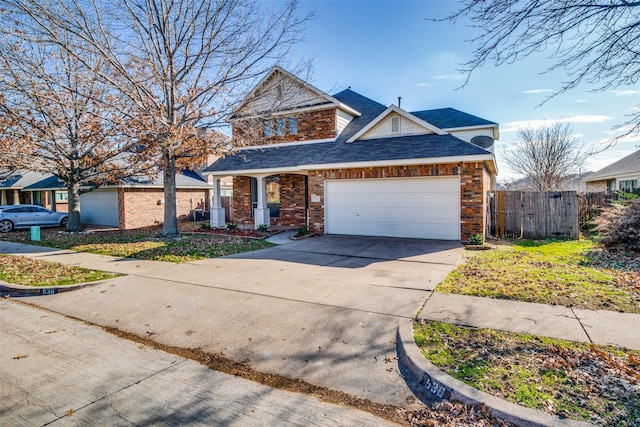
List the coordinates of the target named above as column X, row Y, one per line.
column 24, row 216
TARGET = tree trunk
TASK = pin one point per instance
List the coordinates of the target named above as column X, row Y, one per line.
column 73, row 188
column 170, row 226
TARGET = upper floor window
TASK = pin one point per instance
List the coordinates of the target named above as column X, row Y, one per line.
column 268, row 129
column 293, row 125
column 280, row 126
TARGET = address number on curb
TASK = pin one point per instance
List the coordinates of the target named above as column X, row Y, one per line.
column 48, row 291
column 434, row 387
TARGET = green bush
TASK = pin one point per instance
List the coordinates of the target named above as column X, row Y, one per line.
column 232, row 227
column 303, row 231
column 263, row 228
column 476, row 239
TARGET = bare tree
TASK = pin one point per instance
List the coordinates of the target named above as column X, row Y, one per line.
column 182, row 64
column 56, row 117
column 546, row 156
column 595, row 42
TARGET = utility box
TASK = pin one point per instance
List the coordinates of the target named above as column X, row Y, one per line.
column 35, row 233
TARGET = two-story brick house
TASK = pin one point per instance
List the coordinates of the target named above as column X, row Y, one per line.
column 345, row 164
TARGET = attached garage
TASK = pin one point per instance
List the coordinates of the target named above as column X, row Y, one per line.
column 425, row 207
column 99, row 207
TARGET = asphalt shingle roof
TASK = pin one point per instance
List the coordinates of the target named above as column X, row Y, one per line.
column 21, row 179
column 380, row 149
column 185, row 179
column 450, row 118
column 626, row 165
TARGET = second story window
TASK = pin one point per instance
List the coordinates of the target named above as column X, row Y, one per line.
column 268, row 129
column 293, row 126
column 279, row 126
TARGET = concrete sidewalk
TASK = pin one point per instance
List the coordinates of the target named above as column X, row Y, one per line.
column 554, row 321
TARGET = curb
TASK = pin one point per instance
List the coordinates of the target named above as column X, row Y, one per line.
column 11, row 290
column 430, row 385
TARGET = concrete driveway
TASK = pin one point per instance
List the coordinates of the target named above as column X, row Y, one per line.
column 322, row 309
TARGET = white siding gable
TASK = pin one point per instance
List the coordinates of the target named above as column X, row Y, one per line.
column 467, row 134
column 342, row 120
column 280, row 92
column 384, row 128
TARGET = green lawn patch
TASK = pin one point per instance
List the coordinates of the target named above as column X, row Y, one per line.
column 585, row 382
column 20, row 270
column 145, row 243
column 570, row 273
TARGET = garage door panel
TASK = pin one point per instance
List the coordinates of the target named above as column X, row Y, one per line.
column 99, row 207
column 426, row 208
column 406, row 200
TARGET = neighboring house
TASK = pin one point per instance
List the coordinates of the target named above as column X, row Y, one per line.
column 345, row 164
column 11, row 190
column 133, row 203
column 623, row 175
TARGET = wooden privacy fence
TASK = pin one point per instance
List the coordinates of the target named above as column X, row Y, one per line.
column 535, row 215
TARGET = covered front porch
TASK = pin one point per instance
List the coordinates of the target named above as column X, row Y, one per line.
column 275, row 200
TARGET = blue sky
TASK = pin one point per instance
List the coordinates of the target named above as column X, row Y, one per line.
column 385, row 49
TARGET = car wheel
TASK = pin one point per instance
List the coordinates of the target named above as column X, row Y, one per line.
column 63, row 222
column 6, row 226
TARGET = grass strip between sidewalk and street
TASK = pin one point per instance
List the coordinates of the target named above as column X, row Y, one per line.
column 144, row 243
column 575, row 273
column 586, row 382
column 20, row 270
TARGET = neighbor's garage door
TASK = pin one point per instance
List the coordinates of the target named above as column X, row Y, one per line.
column 425, row 208
column 99, row 207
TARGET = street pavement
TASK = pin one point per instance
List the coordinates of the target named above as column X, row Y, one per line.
column 61, row 372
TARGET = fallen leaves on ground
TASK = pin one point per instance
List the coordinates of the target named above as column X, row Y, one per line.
column 591, row 383
column 21, row 270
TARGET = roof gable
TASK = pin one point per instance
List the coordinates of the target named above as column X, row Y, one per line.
column 281, row 91
column 380, row 127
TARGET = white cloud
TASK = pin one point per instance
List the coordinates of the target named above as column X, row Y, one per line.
column 424, row 84
column 536, row 91
column 582, row 100
column 587, row 118
column 452, row 76
column 626, row 92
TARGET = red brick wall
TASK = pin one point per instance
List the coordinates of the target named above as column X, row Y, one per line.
column 293, row 211
column 140, row 208
column 473, row 188
column 242, row 204
column 312, row 125
column 293, row 201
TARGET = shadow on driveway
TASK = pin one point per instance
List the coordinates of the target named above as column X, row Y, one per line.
column 359, row 251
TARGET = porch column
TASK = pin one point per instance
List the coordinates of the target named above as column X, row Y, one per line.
column 261, row 213
column 52, row 199
column 16, row 197
column 216, row 214
column 3, row 198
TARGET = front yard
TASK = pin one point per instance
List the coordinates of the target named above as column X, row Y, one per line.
column 33, row 272
column 569, row 273
column 145, row 243
column 585, row 382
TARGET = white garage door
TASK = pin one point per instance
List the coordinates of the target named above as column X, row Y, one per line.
column 424, row 208
column 99, row 207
